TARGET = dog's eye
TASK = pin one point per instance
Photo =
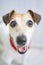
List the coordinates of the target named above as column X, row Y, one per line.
column 29, row 23
column 13, row 23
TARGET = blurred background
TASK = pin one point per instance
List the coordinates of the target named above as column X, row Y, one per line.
column 21, row 6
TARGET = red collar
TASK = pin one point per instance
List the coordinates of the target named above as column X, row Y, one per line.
column 12, row 43
column 13, row 46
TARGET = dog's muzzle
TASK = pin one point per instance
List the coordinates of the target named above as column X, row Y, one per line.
column 21, row 47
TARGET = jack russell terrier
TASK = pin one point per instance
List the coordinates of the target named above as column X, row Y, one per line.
column 15, row 35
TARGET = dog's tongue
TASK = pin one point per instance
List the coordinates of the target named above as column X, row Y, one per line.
column 21, row 49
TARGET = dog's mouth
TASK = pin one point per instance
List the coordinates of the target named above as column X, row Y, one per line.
column 20, row 49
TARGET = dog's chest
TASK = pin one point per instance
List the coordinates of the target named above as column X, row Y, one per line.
column 11, row 56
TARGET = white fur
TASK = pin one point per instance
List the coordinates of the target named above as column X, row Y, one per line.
column 9, row 54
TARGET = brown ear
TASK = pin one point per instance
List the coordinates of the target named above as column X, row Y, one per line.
column 36, row 17
column 7, row 17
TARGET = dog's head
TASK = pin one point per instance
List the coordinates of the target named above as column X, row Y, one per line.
column 21, row 27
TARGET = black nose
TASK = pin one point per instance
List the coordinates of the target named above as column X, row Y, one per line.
column 21, row 40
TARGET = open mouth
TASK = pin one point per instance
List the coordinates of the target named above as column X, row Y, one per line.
column 21, row 49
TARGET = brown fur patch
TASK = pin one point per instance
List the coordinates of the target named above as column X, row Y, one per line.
column 6, row 18
column 36, row 17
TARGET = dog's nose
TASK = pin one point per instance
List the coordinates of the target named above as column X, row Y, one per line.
column 21, row 40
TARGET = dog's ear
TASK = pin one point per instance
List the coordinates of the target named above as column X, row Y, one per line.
column 7, row 17
column 36, row 17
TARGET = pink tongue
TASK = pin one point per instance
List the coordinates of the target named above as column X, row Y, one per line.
column 21, row 49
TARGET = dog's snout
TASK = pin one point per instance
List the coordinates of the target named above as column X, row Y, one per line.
column 21, row 40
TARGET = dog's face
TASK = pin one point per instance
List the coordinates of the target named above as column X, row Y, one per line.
column 21, row 27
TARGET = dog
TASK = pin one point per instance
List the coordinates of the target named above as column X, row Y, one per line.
column 15, row 35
